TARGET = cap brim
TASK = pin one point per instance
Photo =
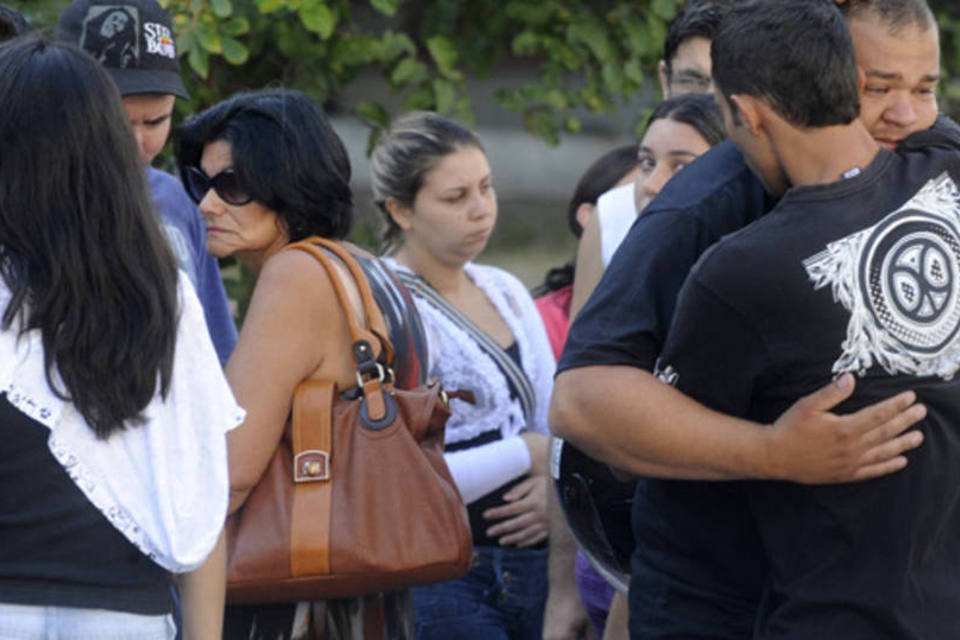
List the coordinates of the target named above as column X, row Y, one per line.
column 133, row 81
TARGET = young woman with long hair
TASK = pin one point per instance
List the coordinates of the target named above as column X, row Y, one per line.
column 113, row 410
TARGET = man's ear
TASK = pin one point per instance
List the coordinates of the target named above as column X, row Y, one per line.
column 399, row 213
column 748, row 112
column 664, row 74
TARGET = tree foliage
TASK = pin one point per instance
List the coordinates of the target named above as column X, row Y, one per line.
column 586, row 56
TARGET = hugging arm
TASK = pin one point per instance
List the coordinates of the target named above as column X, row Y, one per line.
column 625, row 416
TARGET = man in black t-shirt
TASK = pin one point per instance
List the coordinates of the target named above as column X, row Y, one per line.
column 857, row 269
column 702, row 581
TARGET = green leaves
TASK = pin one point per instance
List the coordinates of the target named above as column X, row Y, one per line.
column 234, row 51
column 318, row 17
column 408, row 71
column 221, row 8
column 445, row 56
column 386, row 7
column 583, row 56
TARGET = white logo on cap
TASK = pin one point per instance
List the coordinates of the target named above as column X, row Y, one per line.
column 159, row 40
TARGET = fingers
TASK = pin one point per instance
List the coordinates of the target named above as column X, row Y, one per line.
column 526, row 537
column 507, row 510
column 895, row 426
column 828, row 397
column 513, row 525
column 881, row 469
column 521, row 489
column 891, row 449
column 893, row 414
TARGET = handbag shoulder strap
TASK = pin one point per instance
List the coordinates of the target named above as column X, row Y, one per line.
column 378, row 409
column 516, row 375
column 375, row 323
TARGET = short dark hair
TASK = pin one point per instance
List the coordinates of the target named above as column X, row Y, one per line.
column 286, row 155
column 81, row 249
column 897, row 14
column 12, row 23
column 697, row 18
column 699, row 110
column 797, row 55
column 412, row 146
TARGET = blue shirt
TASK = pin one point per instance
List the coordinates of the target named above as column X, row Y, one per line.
column 187, row 235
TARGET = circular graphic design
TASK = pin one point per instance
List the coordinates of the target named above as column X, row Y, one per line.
column 909, row 280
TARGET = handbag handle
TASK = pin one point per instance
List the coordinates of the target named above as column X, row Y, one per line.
column 370, row 308
column 379, row 409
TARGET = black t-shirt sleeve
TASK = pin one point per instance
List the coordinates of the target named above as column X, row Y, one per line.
column 712, row 352
column 626, row 319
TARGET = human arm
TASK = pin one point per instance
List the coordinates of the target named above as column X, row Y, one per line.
column 203, row 595
column 565, row 617
column 479, row 470
column 288, row 334
column 617, row 618
column 589, row 265
column 609, row 405
column 629, row 419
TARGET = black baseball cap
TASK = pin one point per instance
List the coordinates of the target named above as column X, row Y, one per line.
column 132, row 39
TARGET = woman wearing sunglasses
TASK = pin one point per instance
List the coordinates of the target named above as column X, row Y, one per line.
column 266, row 169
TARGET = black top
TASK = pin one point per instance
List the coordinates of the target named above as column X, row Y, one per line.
column 860, row 275
column 627, row 317
column 708, row 585
column 56, row 548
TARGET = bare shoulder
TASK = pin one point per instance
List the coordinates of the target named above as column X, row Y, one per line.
column 296, row 303
column 294, row 271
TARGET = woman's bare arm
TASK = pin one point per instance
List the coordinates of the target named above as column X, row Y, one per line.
column 589, row 266
column 292, row 329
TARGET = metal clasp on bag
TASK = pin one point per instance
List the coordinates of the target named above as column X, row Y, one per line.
column 383, row 374
column 311, row 465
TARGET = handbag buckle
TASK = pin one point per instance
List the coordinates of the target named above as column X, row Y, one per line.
column 311, row 465
column 381, row 373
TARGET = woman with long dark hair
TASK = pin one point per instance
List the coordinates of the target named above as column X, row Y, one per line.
column 113, row 409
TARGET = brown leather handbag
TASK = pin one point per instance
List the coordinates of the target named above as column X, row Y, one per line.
column 357, row 498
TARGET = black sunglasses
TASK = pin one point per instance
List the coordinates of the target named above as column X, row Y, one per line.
column 225, row 183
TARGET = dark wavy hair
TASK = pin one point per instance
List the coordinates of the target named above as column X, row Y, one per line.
column 81, row 250
column 286, row 155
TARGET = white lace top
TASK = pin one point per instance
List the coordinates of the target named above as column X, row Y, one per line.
column 460, row 363
column 163, row 484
